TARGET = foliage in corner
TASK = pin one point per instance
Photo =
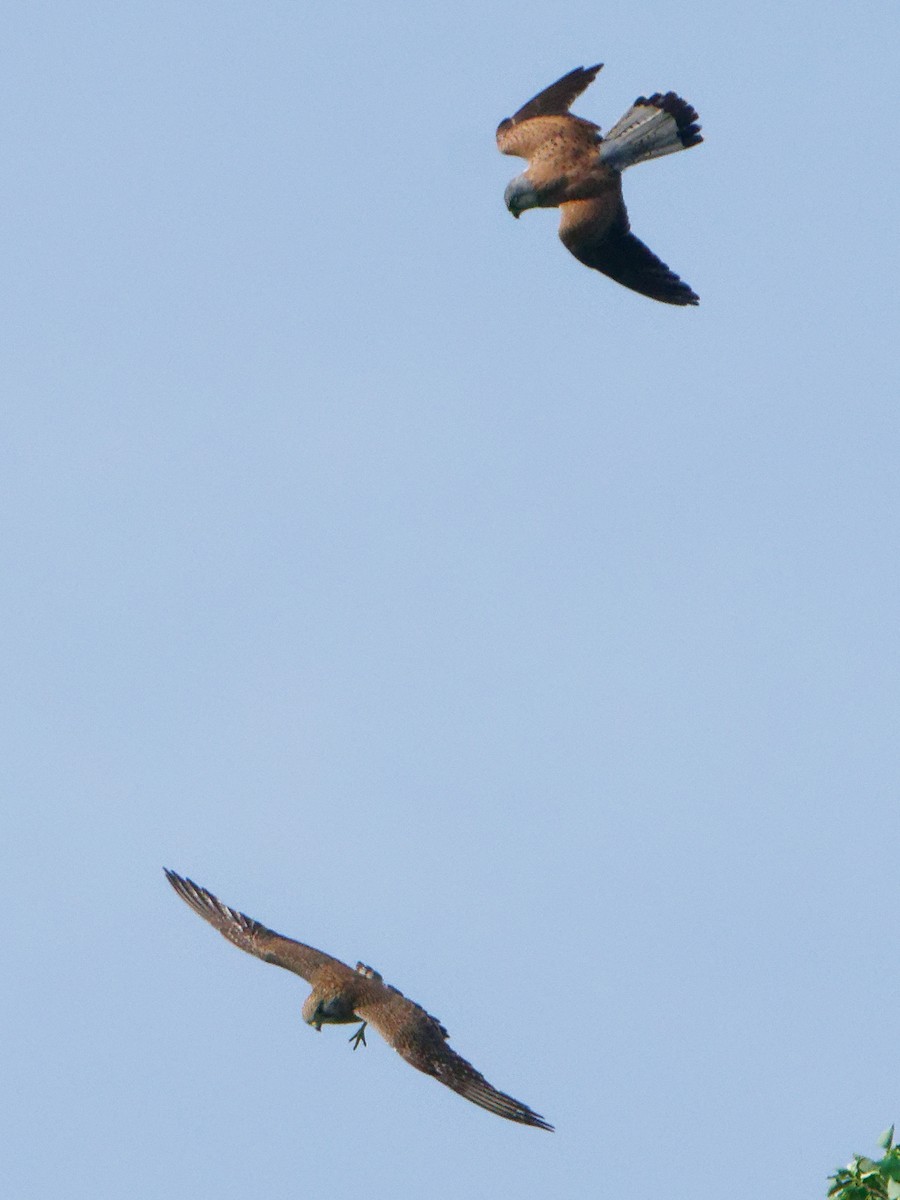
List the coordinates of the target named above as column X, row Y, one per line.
column 866, row 1179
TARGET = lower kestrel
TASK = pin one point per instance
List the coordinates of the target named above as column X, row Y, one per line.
column 343, row 996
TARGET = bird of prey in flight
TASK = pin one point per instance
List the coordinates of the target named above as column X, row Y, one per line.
column 341, row 996
column 573, row 168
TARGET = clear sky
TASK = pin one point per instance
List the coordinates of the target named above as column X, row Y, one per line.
column 439, row 603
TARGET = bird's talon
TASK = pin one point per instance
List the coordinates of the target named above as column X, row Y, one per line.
column 359, row 1036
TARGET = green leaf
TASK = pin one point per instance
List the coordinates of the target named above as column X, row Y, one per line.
column 890, row 1167
column 887, row 1138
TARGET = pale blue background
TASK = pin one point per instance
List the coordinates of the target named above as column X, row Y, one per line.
column 434, row 600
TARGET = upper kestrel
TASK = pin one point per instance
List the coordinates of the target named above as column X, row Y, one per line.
column 573, row 168
column 341, row 996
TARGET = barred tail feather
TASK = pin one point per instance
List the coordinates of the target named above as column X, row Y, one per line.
column 652, row 127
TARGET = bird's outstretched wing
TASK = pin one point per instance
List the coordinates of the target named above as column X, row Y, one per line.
column 249, row 935
column 558, row 97
column 422, row 1041
column 618, row 253
column 545, row 126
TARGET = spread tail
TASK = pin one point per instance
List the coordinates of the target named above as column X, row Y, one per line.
column 652, row 127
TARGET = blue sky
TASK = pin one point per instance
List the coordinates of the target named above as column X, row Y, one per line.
column 437, row 602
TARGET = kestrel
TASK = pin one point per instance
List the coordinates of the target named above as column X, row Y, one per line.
column 573, row 168
column 341, row 996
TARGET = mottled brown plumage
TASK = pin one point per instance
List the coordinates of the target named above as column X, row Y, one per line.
column 573, row 168
column 342, row 996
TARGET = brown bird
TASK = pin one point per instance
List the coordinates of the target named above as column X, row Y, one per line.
column 573, row 168
column 341, row 996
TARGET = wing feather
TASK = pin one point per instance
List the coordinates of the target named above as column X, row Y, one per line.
column 422, row 1041
column 545, row 125
column 558, row 97
column 247, row 934
column 615, row 251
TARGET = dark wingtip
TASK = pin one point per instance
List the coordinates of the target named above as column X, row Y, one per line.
column 186, row 888
column 589, row 74
column 181, row 887
column 680, row 294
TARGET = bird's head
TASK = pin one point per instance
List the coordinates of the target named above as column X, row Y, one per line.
column 333, row 1009
column 312, row 1011
column 519, row 195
